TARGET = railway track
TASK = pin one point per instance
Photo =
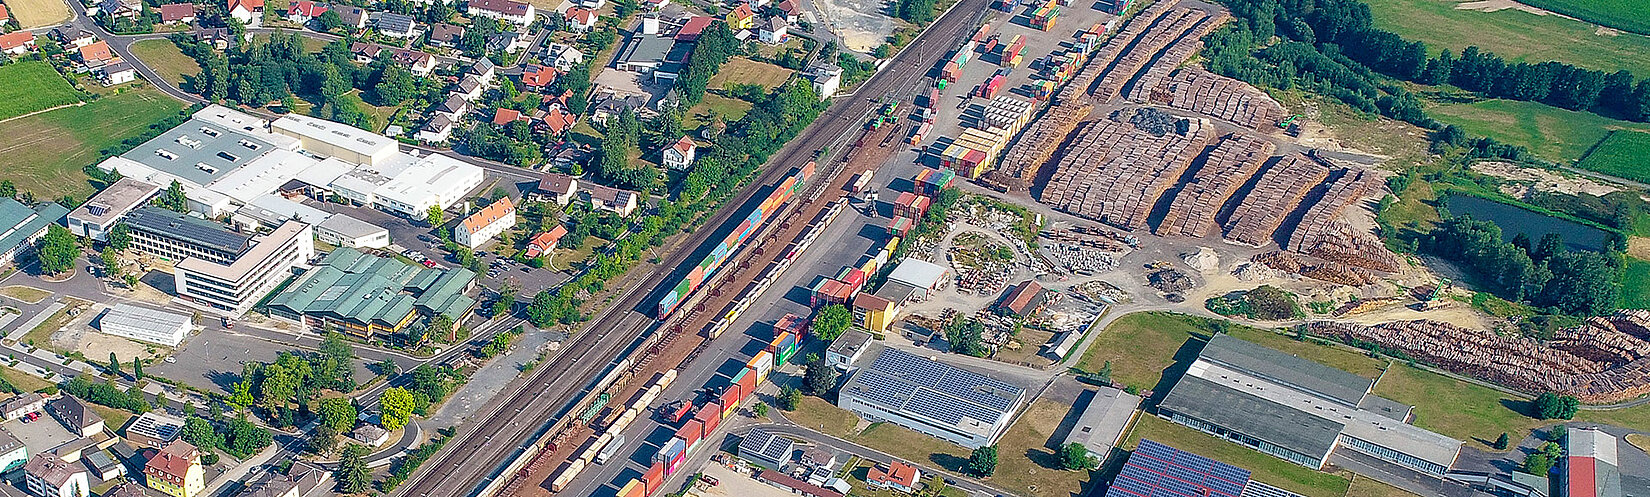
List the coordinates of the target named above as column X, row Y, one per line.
column 480, row 451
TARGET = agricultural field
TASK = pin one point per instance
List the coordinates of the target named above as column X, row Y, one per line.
column 1549, row 132
column 1620, row 154
column 38, row 13
column 746, row 71
column 1635, row 284
column 167, row 60
column 31, row 86
column 1514, row 34
column 1625, row 15
column 45, row 152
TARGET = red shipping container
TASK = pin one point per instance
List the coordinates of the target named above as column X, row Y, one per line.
column 711, row 416
column 951, row 71
column 655, row 478
column 731, row 396
column 691, row 432
column 747, row 386
column 855, row 279
column 633, row 489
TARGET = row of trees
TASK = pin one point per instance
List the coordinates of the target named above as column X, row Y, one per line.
column 1578, row 283
column 295, row 378
column 714, row 47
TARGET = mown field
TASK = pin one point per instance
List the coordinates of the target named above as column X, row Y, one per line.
column 1514, row 34
column 31, row 86
column 1624, row 153
column 743, row 70
column 1549, row 132
column 1625, row 15
column 45, row 152
column 1635, row 284
column 38, row 13
column 167, row 60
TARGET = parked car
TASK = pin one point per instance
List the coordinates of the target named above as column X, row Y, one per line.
column 428, row 263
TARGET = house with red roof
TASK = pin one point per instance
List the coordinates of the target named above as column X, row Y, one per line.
column 5, row 15
column 580, row 19
column 557, row 122
column 95, row 54
column 546, row 242
column 791, row 10
column 679, row 155
column 304, row 10
column 741, row 17
column 486, row 223
column 503, row 10
column 897, row 476
column 503, row 116
column 177, row 13
column 19, row 42
column 537, row 77
column 693, row 28
column 249, row 12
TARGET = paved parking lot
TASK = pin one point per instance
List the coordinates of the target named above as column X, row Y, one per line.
column 213, row 359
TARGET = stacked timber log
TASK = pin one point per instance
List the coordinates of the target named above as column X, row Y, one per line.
column 1351, row 185
column 1520, row 363
column 1178, row 53
column 1277, row 193
column 1229, row 165
column 1103, row 58
column 1606, row 339
column 1330, row 271
column 1114, row 172
column 1201, row 91
column 1342, row 243
column 1182, row 22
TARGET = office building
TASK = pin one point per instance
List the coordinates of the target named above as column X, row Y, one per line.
column 76, row 416
column 100, row 213
column 340, row 230
column 1298, row 410
column 367, row 295
column 931, row 397
column 847, row 348
column 331, row 139
column 153, row 429
column 13, row 454
column 233, row 287
column 145, row 324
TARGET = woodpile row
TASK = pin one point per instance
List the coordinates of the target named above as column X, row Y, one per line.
column 1279, row 190
column 1340, row 242
column 1522, row 363
column 1181, row 50
column 1315, row 224
column 1203, row 92
column 1027, row 156
column 1229, row 165
column 1330, row 271
column 1114, row 172
column 1182, row 23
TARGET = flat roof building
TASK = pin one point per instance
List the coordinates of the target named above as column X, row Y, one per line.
column 175, row 236
column 100, row 213
column 233, row 287
column 1101, row 425
column 332, row 139
column 963, row 407
column 767, row 449
column 1590, row 467
column 145, row 324
column 847, row 348
column 1296, row 409
column 153, row 429
column 343, row 231
column 366, row 295
column 922, row 275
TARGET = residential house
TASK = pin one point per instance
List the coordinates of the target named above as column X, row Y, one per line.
column 563, row 57
column 105, row 467
column 303, row 479
column 591, row 4
column 546, row 242
column 47, row 475
column 694, row 27
column 486, row 223
column 741, row 17
column 417, row 62
column 580, row 19
column 370, row 435
column 503, row 10
column 438, row 129
column 622, row 202
column 128, row 489
column 655, row 5
column 826, row 79
column 789, row 9
column 787, row 483
column 610, row 105
column 121, row 8
column 396, row 25
column 446, row 35
column 470, row 87
column 355, row 18
column 5, row 16
column 303, row 11
column 21, row 226
column 567, row 156
column 220, row 38
column 558, row 122
column 774, row 32
column 249, row 12
column 13, row 453
column 21, row 405
column 537, row 77
column 559, row 187
column 177, row 13
column 71, row 37
column 17, row 42
column 455, row 105
column 507, row 42
column 176, row 470
column 679, row 155
column 483, row 69
column 895, row 476
column 116, row 73
column 503, row 116
column 96, row 54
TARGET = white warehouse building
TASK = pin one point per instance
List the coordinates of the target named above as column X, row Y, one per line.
column 145, row 325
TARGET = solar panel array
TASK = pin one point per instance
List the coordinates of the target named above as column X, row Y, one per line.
column 904, row 381
column 767, row 445
column 1157, row 470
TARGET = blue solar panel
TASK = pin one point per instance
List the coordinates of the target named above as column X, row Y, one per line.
column 1157, row 470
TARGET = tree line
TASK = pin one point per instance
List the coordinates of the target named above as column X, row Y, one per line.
column 1545, row 274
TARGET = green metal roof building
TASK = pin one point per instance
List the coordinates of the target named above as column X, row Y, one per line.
column 366, row 295
column 20, row 226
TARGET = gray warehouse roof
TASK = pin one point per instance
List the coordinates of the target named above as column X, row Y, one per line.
column 901, row 381
column 1103, row 421
column 1286, row 370
column 115, row 200
column 199, row 151
column 1253, row 416
column 182, row 226
column 143, row 318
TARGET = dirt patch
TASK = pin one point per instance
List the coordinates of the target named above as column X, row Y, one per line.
column 97, row 345
column 1540, row 180
column 860, row 23
column 1638, row 246
column 1603, row 31
column 1500, row 5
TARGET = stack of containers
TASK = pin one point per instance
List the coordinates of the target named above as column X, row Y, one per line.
column 690, row 433
column 1043, row 18
column 981, row 35
column 710, row 415
column 854, row 278
column 1008, row 5
column 567, row 474
column 1008, row 113
column 633, row 489
column 992, row 86
column 931, row 181
column 900, row 226
column 1014, row 52
column 783, row 192
column 671, row 454
column 654, row 478
column 989, row 45
column 624, row 420
column 761, row 364
column 920, row 132
column 783, row 347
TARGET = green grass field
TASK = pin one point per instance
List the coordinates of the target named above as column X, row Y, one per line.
column 31, row 86
column 1625, row 15
column 1635, row 284
column 1549, row 132
column 1263, row 468
column 1466, row 411
column 45, row 152
column 743, row 70
column 166, row 60
column 1622, row 153
column 1513, row 34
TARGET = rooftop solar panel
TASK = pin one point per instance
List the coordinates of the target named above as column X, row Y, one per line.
column 1157, row 470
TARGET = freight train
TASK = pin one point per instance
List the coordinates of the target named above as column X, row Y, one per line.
column 782, row 192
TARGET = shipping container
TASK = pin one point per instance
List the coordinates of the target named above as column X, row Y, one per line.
column 633, row 489
column 951, row 72
column 670, row 450
column 666, row 378
column 730, row 400
column 711, row 415
column 983, row 33
column 899, row 226
column 933, row 98
column 648, row 396
column 654, row 478
column 624, row 421
column 691, row 433
column 610, row 450
column 747, row 385
column 568, row 472
column 675, row 465
column 596, row 448
column 675, row 411
column 762, row 363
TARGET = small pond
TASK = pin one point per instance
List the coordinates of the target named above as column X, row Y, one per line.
column 1514, row 220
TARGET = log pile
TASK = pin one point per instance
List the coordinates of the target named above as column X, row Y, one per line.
column 1177, row 53
column 1330, row 271
column 1103, row 57
column 1607, row 339
column 1277, row 193
column 1348, row 188
column 1114, row 172
column 1181, row 23
column 1203, row 92
column 1340, row 242
column 1229, row 165
column 1522, row 363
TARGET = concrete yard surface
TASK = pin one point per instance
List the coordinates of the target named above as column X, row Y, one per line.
column 733, row 484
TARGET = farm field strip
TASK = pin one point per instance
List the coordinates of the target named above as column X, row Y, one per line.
column 31, row 86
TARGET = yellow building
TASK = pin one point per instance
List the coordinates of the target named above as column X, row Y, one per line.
column 741, row 17
column 176, row 470
column 875, row 313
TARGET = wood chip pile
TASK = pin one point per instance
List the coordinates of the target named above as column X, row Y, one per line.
column 1330, row 271
column 1114, row 172
column 1182, row 23
column 1201, row 91
column 1229, row 165
column 1603, row 361
column 1279, row 190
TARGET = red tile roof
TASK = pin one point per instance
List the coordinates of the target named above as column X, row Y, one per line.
column 490, row 214
column 504, row 116
column 582, row 16
column 693, row 28
column 545, row 241
column 176, row 11
column 1022, row 296
column 16, row 39
column 898, row 472
column 251, row 5
column 3, row 13
column 684, row 145
column 560, row 121
column 309, row 9
column 538, row 76
column 95, row 51
column 173, row 462
column 506, row 7
column 742, row 11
